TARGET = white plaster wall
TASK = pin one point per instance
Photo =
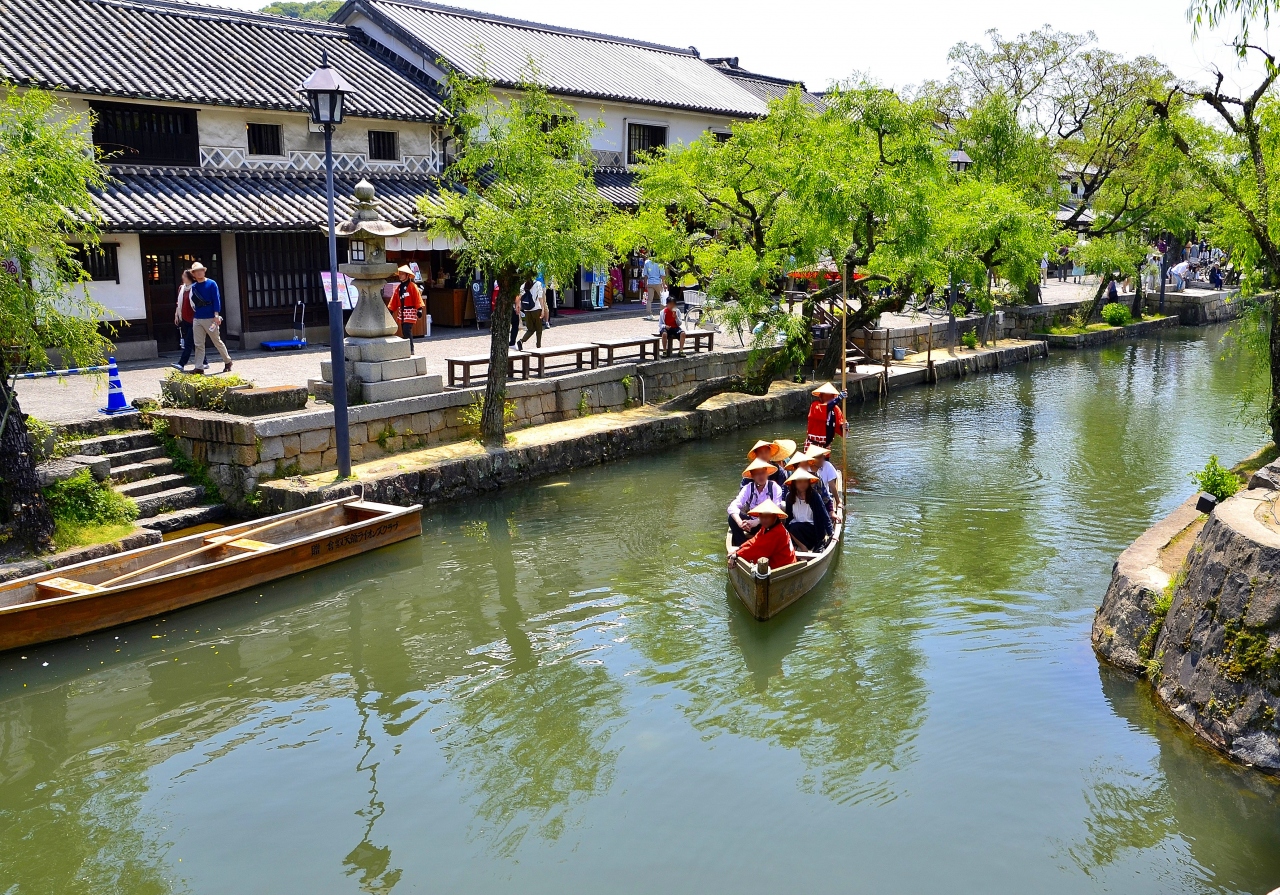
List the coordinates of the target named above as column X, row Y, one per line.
column 127, row 299
column 226, row 128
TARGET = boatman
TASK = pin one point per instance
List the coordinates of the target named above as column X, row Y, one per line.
column 771, row 542
column 406, row 303
column 826, row 419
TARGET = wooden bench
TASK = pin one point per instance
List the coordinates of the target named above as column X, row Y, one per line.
column 698, row 336
column 517, row 362
column 581, row 353
column 646, row 345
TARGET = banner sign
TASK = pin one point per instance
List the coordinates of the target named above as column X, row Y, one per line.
column 346, row 289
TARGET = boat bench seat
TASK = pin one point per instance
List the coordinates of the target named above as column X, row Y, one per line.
column 240, row 543
column 64, row 587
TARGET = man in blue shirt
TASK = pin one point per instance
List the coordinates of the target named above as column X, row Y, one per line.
column 207, row 299
column 654, row 276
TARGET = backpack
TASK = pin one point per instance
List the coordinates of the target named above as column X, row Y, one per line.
column 196, row 300
column 527, row 303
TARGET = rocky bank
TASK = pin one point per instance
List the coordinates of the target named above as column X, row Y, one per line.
column 1205, row 629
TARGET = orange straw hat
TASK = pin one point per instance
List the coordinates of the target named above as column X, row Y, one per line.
column 759, row 464
column 768, row 508
column 796, row 460
column 759, row 444
column 826, row 390
column 817, row 452
column 801, row 475
column 785, row 448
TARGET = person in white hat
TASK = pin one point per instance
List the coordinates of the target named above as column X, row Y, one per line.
column 406, row 303
column 771, row 542
column 207, row 299
column 761, row 488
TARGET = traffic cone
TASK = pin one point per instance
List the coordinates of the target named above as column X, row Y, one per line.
column 116, row 403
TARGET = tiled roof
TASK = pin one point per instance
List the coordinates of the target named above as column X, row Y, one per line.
column 764, row 87
column 140, row 199
column 568, row 62
column 618, row 185
column 183, row 52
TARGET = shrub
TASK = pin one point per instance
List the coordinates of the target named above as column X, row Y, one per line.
column 44, row 441
column 1216, row 479
column 199, row 392
column 1117, row 314
column 970, row 338
column 80, row 500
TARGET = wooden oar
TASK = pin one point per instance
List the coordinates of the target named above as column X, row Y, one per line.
column 253, row 531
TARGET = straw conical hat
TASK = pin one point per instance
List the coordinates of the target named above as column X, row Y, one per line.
column 761, row 444
column 801, row 475
column 797, row 459
column 826, row 390
column 759, row 464
column 785, row 447
column 770, row 508
column 817, row 452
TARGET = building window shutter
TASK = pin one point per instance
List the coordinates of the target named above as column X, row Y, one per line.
column 265, row 139
column 384, row 146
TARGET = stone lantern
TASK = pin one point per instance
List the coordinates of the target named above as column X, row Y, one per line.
column 379, row 363
column 368, row 265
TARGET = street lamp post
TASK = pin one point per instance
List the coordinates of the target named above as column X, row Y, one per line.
column 326, row 91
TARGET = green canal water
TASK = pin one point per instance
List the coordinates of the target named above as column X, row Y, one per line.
column 553, row 691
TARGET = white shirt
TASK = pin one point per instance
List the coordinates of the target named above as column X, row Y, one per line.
column 1181, row 269
column 828, row 474
column 801, row 511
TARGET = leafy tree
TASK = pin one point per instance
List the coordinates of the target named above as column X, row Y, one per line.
column 519, row 198
column 48, row 168
column 312, row 10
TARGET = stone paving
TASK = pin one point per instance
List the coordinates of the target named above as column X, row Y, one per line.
column 79, row 397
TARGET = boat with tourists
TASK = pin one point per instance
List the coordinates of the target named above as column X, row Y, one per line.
column 127, row 587
column 767, row 591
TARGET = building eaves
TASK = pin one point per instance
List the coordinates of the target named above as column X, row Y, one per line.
column 179, row 52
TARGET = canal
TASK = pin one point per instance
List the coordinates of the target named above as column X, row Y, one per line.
column 553, row 691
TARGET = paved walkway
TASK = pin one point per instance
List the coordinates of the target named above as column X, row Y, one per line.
column 79, row 397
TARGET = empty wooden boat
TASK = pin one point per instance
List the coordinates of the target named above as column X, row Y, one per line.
column 126, row 587
column 765, row 595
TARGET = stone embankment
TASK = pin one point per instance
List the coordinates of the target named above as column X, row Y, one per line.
column 1194, row 604
column 1097, row 337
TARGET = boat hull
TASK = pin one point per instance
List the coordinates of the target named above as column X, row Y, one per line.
column 41, row 621
column 766, row 597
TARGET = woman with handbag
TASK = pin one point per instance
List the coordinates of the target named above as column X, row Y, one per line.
column 184, row 315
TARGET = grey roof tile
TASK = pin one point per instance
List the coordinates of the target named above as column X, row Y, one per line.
column 569, row 62
column 184, row 52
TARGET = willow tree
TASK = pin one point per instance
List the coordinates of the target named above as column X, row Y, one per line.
column 519, row 199
column 48, row 168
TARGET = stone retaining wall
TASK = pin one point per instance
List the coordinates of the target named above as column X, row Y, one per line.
column 1197, row 308
column 1098, row 337
column 242, row 452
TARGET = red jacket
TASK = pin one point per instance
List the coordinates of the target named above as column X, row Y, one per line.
column 817, row 427
column 774, row 544
column 406, row 311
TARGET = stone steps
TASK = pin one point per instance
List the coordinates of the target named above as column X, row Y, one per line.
column 152, row 485
column 133, row 472
column 185, row 518
column 115, row 444
column 167, row 501
column 136, row 455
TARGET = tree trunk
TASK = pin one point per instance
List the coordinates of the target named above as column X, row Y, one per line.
column 1273, row 414
column 493, row 429
column 1095, row 312
column 1136, row 308
column 709, row 389
column 22, row 505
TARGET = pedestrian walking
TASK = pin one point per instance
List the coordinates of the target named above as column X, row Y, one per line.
column 184, row 315
column 1062, row 264
column 207, row 299
column 533, row 306
column 406, row 303
column 654, row 278
column 1044, row 270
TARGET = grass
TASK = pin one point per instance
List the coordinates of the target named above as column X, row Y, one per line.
column 1249, row 465
column 1079, row 330
column 70, row 534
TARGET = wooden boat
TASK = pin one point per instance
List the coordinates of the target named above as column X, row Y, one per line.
column 767, row 595
column 126, row 587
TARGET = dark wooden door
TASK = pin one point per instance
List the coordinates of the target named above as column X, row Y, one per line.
column 164, row 258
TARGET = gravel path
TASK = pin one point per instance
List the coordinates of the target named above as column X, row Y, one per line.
column 79, row 397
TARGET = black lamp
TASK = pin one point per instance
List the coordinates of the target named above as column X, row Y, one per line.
column 326, row 90
column 959, row 159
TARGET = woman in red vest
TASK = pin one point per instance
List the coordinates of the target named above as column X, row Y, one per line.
column 406, row 303
column 826, row 419
column 771, row 542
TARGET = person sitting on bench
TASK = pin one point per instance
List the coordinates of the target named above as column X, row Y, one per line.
column 671, row 326
column 808, row 522
column 758, row 490
column 771, row 542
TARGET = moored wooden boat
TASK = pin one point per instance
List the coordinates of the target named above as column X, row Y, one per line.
column 103, row 593
column 767, row 595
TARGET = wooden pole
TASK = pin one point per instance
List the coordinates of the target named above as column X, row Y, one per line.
column 844, row 382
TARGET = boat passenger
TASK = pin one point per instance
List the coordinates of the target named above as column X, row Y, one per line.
column 771, row 542
column 826, row 419
column 802, row 461
column 774, row 452
column 759, row 489
column 818, row 462
column 808, row 520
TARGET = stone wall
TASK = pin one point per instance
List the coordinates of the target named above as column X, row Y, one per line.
column 1196, row 307
column 1097, row 337
column 240, row 453
column 1214, row 658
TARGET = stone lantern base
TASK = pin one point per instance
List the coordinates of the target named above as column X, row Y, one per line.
column 378, row 370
